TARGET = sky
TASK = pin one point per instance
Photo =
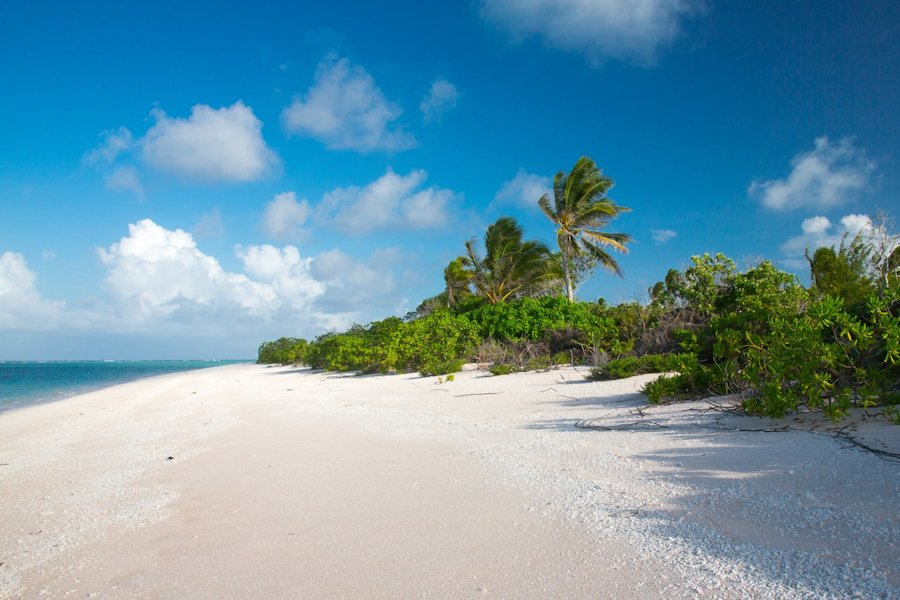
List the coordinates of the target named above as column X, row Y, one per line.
column 189, row 179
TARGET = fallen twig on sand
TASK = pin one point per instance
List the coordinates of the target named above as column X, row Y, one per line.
column 843, row 435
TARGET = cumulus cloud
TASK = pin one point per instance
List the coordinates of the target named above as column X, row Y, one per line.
column 284, row 217
column 524, row 189
column 158, row 279
column 288, row 274
column 441, row 97
column 159, row 274
column 827, row 176
column 345, row 110
column 390, row 201
column 115, row 142
column 818, row 232
column 124, row 179
column 21, row 306
column 600, row 29
column 661, row 236
column 350, row 284
column 212, row 145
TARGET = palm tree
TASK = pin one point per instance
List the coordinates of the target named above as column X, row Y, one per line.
column 580, row 211
column 510, row 267
column 457, row 279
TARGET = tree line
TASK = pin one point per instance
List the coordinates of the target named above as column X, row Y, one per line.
column 711, row 327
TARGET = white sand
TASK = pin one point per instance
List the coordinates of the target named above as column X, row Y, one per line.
column 292, row 484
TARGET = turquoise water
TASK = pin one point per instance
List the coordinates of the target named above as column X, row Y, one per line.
column 26, row 383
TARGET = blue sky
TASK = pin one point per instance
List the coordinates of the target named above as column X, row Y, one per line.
column 186, row 180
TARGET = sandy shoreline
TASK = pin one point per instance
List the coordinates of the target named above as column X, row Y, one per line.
column 290, row 484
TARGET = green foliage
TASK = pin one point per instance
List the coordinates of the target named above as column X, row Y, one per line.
column 284, row 351
column 757, row 332
column 430, row 343
column 435, row 344
column 827, row 358
column 580, row 212
column 667, row 386
column 844, row 274
column 697, row 287
column 502, row 369
column 457, row 280
column 746, row 303
column 511, row 267
column 340, row 352
column 691, row 380
column 443, row 368
column 533, row 319
column 630, row 366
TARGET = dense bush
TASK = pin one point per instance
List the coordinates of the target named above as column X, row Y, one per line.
column 761, row 334
column 630, row 366
column 284, row 351
column 708, row 312
column 340, row 352
column 579, row 329
column 430, row 343
column 435, row 344
column 827, row 358
column 502, row 369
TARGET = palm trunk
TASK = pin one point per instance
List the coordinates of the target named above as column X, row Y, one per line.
column 570, row 293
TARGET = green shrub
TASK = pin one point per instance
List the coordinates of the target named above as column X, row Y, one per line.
column 340, row 352
column 430, row 343
column 630, row 366
column 284, row 351
column 502, row 369
column 667, row 386
column 531, row 319
column 827, row 358
column 443, row 368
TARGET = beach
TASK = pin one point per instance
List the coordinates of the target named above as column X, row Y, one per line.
column 247, row 481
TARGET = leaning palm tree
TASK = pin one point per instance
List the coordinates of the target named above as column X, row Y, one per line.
column 580, row 211
column 510, row 267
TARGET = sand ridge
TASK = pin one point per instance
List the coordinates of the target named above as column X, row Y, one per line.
column 292, row 483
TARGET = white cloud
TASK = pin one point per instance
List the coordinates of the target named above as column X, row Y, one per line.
column 389, row 201
column 158, row 274
column 346, row 111
column 524, row 189
column 284, row 217
column 661, row 236
column 159, row 280
column 115, row 142
column 600, row 29
column 352, row 285
column 818, row 232
column 827, row 176
column 21, row 306
column 212, row 145
column 124, row 179
column 285, row 271
column 441, row 97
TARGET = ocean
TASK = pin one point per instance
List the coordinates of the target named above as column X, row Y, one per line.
column 26, row 383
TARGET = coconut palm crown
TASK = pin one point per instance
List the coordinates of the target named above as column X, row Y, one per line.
column 581, row 211
column 510, row 267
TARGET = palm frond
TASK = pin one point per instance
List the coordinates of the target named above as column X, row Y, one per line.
column 615, row 240
column 604, row 259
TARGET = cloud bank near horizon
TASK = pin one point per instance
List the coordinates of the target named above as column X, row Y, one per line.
column 158, row 281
